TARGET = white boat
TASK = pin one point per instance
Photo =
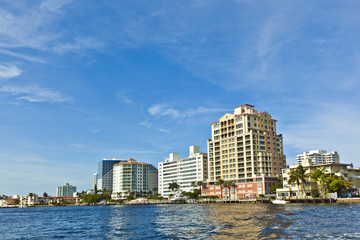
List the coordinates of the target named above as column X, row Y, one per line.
column 178, row 198
column 279, row 201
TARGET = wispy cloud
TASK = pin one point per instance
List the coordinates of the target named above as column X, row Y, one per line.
column 9, row 71
column 78, row 45
column 124, row 98
column 147, row 124
column 21, row 56
column 165, row 110
column 35, row 94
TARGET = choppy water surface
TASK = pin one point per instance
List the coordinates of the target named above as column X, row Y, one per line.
column 192, row 221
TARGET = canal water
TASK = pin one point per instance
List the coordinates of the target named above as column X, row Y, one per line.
column 191, row 221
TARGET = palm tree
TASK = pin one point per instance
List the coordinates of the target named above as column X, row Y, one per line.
column 220, row 183
column 200, row 184
column 229, row 185
column 173, row 186
column 299, row 176
column 194, row 185
column 322, row 178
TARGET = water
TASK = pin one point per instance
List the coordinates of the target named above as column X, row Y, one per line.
column 191, row 221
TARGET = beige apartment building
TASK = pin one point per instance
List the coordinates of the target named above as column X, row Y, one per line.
column 311, row 187
column 245, row 148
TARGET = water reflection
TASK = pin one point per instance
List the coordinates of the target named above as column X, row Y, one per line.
column 249, row 221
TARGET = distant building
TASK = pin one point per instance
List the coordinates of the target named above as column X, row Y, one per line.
column 182, row 171
column 105, row 173
column 94, row 181
column 132, row 176
column 318, row 157
column 29, row 200
column 66, row 190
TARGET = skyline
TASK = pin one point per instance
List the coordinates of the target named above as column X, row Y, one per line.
column 81, row 82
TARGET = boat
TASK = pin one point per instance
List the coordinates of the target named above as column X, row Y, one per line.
column 279, row 201
column 178, row 198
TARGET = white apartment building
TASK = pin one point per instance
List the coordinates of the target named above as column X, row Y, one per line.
column 318, row 157
column 183, row 171
column 132, row 176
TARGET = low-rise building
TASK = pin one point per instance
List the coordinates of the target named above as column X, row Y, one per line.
column 29, row 200
column 182, row 171
column 311, row 187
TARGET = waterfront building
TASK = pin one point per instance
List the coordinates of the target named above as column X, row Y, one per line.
column 318, row 157
column 132, row 176
column 29, row 200
column 105, row 173
column 182, row 171
column 94, row 181
column 245, row 148
column 311, row 187
column 153, row 179
column 66, row 190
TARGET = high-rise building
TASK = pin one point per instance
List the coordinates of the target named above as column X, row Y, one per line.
column 318, row 157
column 132, row 176
column 182, row 171
column 105, row 173
column 245, row 148
column 66, row 190
column 94, row 181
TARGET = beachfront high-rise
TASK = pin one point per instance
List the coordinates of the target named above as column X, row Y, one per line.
column 182, row 171
column 133, row 176
column 105, row 173
column 245, row 148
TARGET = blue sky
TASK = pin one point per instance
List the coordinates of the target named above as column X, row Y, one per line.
column 85, row 80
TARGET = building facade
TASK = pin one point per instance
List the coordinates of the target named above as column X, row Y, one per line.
column 132, row 176
column 245, row 148
column 105, row 174
column 182, row 171
column 66, row 190
column 318, row 157
column 311, row 187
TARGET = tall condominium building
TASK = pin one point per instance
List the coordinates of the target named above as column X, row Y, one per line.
column 66, row 190
column 318, row 157
column 245, row 149
column 133, row 176
column 105, row 173
column 183, row 171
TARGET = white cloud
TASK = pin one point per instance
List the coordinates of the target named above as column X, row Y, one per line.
column 9, row 71
column 147, row 124
column 35, row 94
column 78, row 45
column 163, row 110
column 124, row 98
column 22, row 56
column 54, row 5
